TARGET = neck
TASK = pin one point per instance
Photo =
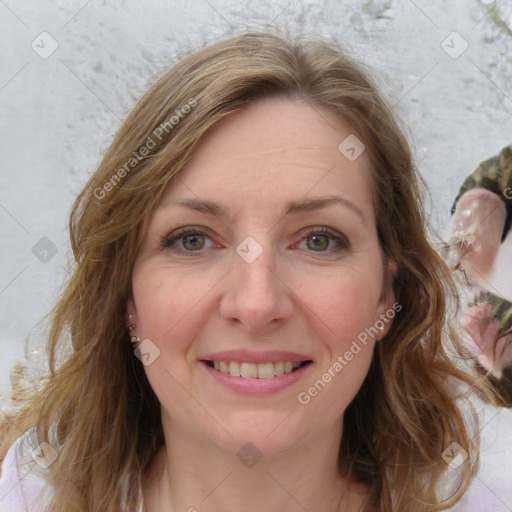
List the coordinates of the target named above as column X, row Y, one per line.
column 189, row 474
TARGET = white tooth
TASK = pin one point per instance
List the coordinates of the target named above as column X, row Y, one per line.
column 234, row 369
column 279, row 368
column 265, row 370
column 253, row 370
column 249, row 370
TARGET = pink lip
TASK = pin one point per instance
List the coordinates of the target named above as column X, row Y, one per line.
column 246, row 356
column 256, row 386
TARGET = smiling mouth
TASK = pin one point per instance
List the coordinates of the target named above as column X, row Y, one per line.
column 255, row 370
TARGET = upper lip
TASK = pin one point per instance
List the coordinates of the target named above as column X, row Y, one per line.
column 246, row 356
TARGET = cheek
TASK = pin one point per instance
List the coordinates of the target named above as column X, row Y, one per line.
column 169, row 307
column 162, row 294
column 170, row 312
column 346, row 309
column 346, row 302
column 339, row 384
column 338, row 380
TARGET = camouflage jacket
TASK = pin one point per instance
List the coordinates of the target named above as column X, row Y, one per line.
column 495, row 175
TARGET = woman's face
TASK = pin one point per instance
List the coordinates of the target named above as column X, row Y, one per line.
column 279, row 266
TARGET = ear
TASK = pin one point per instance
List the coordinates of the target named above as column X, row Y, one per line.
column 131, row 313
column 387, row 307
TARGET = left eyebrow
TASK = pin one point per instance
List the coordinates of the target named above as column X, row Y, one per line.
column 316, row 203
column 291, row 208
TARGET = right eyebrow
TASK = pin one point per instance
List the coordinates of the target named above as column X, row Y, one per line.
column 292, row 207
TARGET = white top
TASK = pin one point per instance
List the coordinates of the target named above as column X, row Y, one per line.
column 23, row 487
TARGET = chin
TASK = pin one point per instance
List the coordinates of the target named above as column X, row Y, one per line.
column 269, row 435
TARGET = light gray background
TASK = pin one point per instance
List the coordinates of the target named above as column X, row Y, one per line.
column 59, row 113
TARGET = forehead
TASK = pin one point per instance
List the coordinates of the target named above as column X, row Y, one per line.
column 274, row 150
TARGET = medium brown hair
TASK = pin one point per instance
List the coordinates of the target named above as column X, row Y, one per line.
column 109, row 425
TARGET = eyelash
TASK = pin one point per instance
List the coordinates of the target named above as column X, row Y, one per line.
column 168, row 241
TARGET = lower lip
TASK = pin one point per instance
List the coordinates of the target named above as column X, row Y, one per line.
column 257, row 386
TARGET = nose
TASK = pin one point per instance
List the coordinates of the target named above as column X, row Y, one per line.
column 256, row 294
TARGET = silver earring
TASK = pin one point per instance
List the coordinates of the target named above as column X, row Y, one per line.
column 131, row 327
